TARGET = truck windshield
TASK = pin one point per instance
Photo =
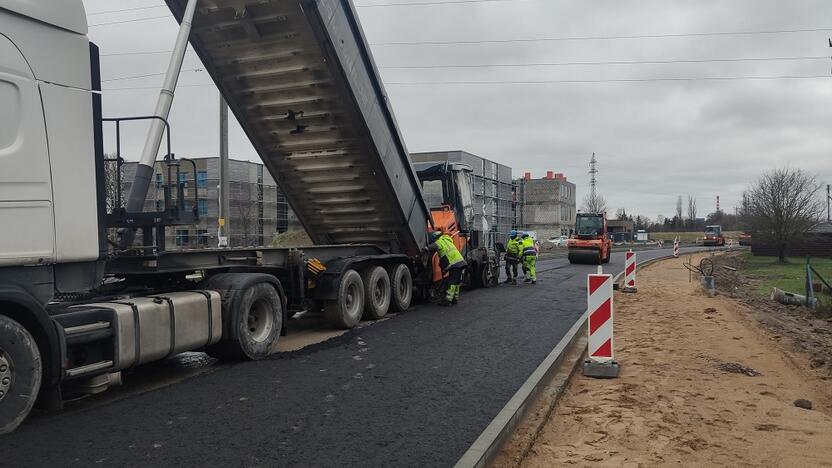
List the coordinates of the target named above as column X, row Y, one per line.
column 432, row 190
column 589, row 226
column 713, row 230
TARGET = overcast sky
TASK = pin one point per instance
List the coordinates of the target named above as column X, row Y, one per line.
column 654, row 139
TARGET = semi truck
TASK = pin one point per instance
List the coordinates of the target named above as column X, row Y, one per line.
column 79, row 304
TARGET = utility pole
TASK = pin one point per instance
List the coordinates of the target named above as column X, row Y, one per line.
column 828, row 205
column 225, row 193
column 592, row 180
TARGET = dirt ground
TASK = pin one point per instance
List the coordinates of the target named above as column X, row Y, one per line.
column 702, row 384
column 801, row 330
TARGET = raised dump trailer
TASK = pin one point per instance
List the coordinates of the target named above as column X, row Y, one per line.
column 299, row 77
column 77, row 308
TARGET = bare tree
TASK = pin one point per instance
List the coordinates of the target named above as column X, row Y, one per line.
column 248, row 213
column 692, row 212
column 677, row 221
column 596, row 204
column 781, row 206
column 111, row 186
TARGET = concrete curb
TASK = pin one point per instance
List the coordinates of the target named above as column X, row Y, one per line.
column 483, row 451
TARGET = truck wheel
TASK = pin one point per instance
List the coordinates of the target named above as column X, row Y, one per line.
column 376, row 292
column 20, row 373
column 607, row 258
column 346, row 310
column 401, row 287
column 485, row 277
column 258, row 322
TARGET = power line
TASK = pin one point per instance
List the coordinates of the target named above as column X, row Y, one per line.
column 619, row 80
column 153, row 52
column 132, row 88
column 129, row 21
column 449, row 2
column 599, row 38
column 613, row 62
column 133, row 77
column 615, row 80
column 123, row 10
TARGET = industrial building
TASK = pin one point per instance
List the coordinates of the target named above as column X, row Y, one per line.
column 492, row 189
column 258, row 207
column 546, row 205
column 621, row 230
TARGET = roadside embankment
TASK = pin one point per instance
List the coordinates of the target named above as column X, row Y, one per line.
column 701, row 384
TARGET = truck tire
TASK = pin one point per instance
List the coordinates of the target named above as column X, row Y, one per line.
column 401, row 287
column 376, row 292
column 258, row 322
column 486, row 278
column 346, row 310
column 20, row 373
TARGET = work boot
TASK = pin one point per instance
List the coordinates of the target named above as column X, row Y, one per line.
column 444, row 303
column 534, row 281
column 514, row 282
column 527, row 280
column 508, row 280
column 453, row 302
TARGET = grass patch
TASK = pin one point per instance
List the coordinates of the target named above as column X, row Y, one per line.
column 789, row 276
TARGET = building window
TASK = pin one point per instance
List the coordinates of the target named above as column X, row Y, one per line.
column 202, row 206
column 183, row 179
column 159, row 181
column 160, row 205
column 182, row 237
column 202, row 237
column 202, row 179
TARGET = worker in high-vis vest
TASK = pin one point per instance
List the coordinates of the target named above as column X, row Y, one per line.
column 451, row 262
column 512, row 257
column 529, row 255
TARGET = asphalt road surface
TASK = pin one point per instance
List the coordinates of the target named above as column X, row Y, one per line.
column 415, row 390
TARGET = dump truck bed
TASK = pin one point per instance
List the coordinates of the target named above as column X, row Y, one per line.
column 299, row 77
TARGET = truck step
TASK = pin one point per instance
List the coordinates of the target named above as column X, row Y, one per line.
column 88, row 369
column 76, row 330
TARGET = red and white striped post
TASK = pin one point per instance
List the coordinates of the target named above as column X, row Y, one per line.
column 676, row 247
column 601, row 361
column 730, row 244
column 630, row 272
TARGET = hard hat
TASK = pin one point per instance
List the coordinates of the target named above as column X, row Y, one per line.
column 525, row 234
column 513, row 233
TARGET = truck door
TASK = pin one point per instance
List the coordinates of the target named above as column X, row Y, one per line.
column 26, row 208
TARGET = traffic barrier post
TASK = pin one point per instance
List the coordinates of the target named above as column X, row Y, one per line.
column 676, row 247
column 600, row 361
column 630, row 272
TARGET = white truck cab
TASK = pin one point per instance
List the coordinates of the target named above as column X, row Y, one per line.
column 48, row 197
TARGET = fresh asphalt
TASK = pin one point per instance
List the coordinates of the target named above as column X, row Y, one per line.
column 415, row 390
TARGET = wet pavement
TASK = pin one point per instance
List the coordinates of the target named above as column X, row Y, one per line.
column 413, row 390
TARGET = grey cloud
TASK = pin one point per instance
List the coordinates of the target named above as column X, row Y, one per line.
column 654, row 140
